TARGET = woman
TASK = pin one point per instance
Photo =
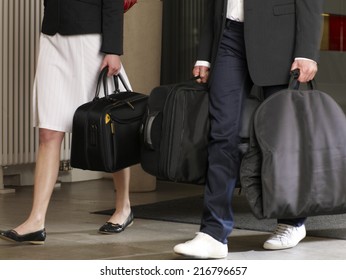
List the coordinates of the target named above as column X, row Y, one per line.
column 79, row 38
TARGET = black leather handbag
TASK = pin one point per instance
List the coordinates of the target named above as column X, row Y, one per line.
column 296, row 162
column 105, row 131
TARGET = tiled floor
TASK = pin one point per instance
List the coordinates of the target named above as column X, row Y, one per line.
column 72, row 230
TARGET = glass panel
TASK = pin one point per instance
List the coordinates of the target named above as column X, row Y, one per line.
column 334, row 33
column 331, row 76
column 182, row 20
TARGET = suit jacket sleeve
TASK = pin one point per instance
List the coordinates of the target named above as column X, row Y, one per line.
column 308, row 29
column 112, row 26
column 207, row 37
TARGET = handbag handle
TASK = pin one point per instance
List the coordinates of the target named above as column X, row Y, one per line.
column 294, row 84
column 102, row 79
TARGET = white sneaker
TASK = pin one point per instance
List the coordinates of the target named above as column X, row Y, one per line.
column 284, row 237
column 203, row 246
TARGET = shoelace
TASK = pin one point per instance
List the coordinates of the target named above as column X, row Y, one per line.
column 282, row 230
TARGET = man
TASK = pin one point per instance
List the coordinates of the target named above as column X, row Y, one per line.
column 247, row 42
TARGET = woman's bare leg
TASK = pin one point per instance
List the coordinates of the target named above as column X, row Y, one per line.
column 46, row 173
column 121, row 181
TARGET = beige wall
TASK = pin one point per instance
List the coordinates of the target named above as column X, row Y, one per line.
column 142, row 44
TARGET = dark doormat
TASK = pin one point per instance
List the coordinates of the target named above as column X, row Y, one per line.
column 189, row 210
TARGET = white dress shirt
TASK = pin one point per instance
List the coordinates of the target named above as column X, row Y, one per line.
column 235, row 10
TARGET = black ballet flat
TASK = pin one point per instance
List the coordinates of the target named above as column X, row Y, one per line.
column 110, row 228
column 36, row 238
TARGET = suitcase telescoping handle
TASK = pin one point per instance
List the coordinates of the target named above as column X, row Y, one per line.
column 102, row 79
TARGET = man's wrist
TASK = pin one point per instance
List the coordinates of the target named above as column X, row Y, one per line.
column 202, row 63
column 304, row 58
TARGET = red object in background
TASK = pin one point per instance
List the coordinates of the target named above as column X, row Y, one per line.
column 128, row 4
column 337, row 33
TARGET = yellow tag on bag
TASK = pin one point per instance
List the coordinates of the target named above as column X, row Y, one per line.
column 107, row 118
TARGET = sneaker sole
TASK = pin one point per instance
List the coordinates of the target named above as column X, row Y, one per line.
column 273, row 247
column 200, row 257
column 269, row 246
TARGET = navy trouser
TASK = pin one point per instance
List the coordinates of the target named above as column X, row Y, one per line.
column 229, row 85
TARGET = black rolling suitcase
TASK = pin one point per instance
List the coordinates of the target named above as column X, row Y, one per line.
column 105, row 131
column 175, row 133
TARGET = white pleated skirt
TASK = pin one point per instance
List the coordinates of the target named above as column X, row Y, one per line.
column 66, row 77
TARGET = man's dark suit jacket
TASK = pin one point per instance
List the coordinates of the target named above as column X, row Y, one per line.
column 275, row 32
column 72, row 17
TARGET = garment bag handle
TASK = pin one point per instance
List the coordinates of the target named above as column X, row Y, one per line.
column 294, row 84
